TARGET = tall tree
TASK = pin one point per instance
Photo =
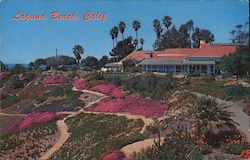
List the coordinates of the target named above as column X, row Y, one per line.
column 136, row 25
column 135, row 42
column 190, row 28
column 118, row 53
column 157, row 27
column 122, row 27
column 78, row 51
column 104, row 60
column 116, row 31
column 112, row 34
column 167, row 21
column 91, row 62
column 142, row 42
column 184, row 36
column 202, row 34
column 241, row 33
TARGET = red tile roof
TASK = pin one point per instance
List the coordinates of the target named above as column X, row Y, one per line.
column 214, row 51
column 169, row 57
column 136, row 55
column 205, row 50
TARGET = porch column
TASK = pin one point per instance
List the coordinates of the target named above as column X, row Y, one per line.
column 195, row 68
column 208, row 69
column 175, row 69
column 187, row 68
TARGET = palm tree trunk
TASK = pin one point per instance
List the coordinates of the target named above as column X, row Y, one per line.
column 137, row 38
column 123, row 43
column 113, row 43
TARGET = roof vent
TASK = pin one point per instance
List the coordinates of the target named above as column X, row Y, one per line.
column 148, row 55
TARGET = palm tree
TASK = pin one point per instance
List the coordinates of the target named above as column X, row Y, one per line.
column 77, row 51
column 157, row 27
column 135, row 42
column 136, row 25
column 122, row 27
column 210, row 117
column 142, row 42
column 116, row 31
column 112, row 34
column 167, row 21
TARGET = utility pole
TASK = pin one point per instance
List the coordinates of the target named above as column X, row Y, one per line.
column 57, row 60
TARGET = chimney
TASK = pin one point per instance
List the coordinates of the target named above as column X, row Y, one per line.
column 148, row 55
column 203, row 44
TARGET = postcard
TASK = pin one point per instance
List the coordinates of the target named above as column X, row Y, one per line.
column 124, row 80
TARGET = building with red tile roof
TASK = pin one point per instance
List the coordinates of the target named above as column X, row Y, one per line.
column 202, row 60
column 183, row 60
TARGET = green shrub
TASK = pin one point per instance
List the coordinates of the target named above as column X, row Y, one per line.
column 73, row 95
column 97, row 76
column 237, row 90
column 41, row 99
column 16, row 83
column 118, row 81
column 177, row 145
column 7, row 101
column 57, row 91
column 234, row 148
column 195, row 155
column 150, row 86
column 30, row 76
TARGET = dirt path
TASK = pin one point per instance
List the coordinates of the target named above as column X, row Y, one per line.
column 7, row 114
column 237, row 108
column 63, row 128
column 64, row 135
column 137, row 146
column 88, row 91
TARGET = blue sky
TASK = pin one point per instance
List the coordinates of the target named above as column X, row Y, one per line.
column 24, row 42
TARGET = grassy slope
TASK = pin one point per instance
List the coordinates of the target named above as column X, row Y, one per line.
column 93, row 135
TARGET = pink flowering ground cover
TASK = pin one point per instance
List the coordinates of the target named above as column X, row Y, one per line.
column 147, row 107
column 79, row 83
column 53, row 80
column 109, row 89
column 32, row 120
column 115, row 155
column 246, row 109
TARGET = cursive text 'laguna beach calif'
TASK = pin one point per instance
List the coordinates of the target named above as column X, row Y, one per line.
column 57, row 16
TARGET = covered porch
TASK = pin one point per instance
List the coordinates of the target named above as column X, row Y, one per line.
column 187, row 67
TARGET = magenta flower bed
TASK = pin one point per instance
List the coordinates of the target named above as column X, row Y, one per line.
column 147, row 107
column 246, row 109
column 115, row 155
column 79, row 83
column 53, row 80
column 109, row 89
column 32, row 120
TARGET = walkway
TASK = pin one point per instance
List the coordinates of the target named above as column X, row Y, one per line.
column 63, row 128
column 64, row 135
